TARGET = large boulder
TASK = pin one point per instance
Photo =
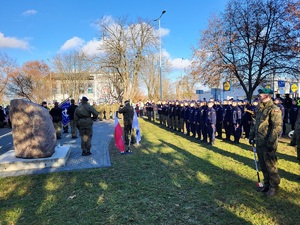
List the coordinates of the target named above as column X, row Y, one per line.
column 32, row 129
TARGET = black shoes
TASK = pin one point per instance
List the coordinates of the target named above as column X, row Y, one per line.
column 86, row 153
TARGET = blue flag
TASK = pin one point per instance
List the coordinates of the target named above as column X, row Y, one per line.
column 65, row 117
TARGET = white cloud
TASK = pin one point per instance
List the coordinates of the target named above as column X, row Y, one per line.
column 164, row 32
column 12, row 42
column 73, row 43
column 92, row 47
column 29, row 12
column 180, row 63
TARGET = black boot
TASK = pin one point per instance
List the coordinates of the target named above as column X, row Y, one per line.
column 272, row 191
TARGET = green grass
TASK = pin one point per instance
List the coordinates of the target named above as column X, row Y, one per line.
column 169, row 179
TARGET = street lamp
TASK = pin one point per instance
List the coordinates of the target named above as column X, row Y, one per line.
column 160, row 78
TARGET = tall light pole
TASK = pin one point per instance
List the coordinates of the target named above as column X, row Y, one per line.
column 160, row 77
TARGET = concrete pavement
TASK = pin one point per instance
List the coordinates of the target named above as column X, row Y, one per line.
column 102, row 135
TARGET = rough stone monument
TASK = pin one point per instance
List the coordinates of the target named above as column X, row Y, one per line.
column 32, row 130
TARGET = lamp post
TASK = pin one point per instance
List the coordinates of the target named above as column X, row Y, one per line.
column 160, row 78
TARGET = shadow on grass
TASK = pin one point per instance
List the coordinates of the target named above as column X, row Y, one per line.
column 250, row 162
column 229, row 190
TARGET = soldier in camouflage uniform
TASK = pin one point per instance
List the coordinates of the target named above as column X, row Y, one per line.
column 265, row 134
column 127, row 111
column 297, row 137
column 84, row 123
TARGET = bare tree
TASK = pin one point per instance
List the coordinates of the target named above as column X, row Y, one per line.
column 31, row 81
column 149, row 76
column 72, row 73
column 7, row 65
column 125, row 46
column 248, row 43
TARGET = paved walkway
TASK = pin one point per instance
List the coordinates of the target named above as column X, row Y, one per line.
column 103, row 133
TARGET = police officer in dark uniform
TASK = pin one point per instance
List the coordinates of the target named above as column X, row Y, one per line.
column 186, row 118
column 159, row 111
column 236, row 119
column 203, row 115
column 219, row 119
column 192, row 118
column 198, row 120
column 293, row 113
column 227, row 119
column 181, row 120
column 278, row 102
column 211, row 120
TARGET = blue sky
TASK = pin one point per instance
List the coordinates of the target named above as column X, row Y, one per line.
column 39, row 29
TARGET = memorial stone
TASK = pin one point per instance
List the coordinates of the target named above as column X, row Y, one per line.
column 32, row 130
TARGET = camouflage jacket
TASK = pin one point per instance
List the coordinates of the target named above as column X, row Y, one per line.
column 127, row 112
column 267, row 126
column 83, row 115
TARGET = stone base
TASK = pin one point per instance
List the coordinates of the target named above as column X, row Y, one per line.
column 9, row 162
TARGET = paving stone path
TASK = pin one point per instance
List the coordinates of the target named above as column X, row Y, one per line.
column 102, row 135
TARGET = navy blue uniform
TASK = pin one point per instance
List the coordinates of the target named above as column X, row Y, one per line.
column 219, row 122
column 203, row 116
column 236, row 119
column 211, row 120
column 192, row 120
column 227, row 121
column 293, row 115
column 186, row 119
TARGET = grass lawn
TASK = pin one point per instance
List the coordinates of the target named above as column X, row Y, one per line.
column 169, row 179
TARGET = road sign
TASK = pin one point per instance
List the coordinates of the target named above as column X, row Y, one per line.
column 294, row 87
column 281, row 83
column 226, row 86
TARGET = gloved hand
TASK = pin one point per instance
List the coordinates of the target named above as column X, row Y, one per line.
column 251, row 141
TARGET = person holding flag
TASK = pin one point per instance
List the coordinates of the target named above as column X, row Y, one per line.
column 128, row 111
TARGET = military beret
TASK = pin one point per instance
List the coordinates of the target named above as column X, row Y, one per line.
column 84, row 99
column 267, row 91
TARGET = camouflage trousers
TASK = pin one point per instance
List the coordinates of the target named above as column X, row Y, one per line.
column 129, row 134
column 268, row 164
column 86, row 135
column 57, row 127
column 73, row 128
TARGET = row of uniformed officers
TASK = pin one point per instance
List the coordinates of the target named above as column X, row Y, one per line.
column 206, row 120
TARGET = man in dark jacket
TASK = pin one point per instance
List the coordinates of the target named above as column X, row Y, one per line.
column 127, row 111
column 84, row 122
column 211, row 120
column 56, row 114
column 235, row 121
column 70, row 112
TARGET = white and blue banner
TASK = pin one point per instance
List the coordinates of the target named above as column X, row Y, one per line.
column 65, row 117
